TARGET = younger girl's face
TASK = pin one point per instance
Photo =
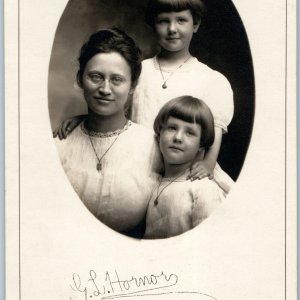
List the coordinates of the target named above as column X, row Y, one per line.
column 175, row 30
column 179, row 141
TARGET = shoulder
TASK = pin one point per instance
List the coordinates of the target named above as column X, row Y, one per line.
column 210, row 74
column 74, row 136
column 141, row 133
column 140, row 129
column 148, row 63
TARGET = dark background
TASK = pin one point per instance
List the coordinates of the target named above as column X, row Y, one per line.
column 221, row 43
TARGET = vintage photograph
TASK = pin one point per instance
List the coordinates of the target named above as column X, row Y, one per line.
column 150, row 149
column 164, row 65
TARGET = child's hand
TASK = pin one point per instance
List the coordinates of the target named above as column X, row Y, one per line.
column 200, row 170
column 67, row 126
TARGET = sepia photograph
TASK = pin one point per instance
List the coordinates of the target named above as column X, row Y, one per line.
column 174, row 49
column 150, row 149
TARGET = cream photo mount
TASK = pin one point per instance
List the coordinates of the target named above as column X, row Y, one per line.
column 55, row 249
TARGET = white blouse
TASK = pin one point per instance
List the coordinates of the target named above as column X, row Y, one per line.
column 118, row 194
column 194, row 79
column 181, row 205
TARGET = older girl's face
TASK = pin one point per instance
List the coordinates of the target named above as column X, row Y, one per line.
column 106, row 83
column 175, row 30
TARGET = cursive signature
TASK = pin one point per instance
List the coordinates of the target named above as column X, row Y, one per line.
column 112, row 286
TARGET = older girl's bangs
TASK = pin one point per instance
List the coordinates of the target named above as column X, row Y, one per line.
column 172, row 5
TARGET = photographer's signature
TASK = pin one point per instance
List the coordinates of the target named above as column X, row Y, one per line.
column 112, row 286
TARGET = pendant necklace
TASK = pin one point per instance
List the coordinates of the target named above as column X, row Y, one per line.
column 99, row 164
column 169, row 183
column 164, row 85
column 99, row 134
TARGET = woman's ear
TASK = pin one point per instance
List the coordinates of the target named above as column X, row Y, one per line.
column 79, row 80
column 132, row 88
column 157, row 138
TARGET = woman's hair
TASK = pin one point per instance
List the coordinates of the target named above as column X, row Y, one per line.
column 155, row 7
column 107, row 41
column 188, row 109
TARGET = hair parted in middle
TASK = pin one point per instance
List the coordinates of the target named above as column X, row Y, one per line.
column 155, row 7
column 111, row 40
column 188, row 109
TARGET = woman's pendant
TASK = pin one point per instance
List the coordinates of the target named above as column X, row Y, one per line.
column 156, row 201
column 99, row 167
column 164, row 86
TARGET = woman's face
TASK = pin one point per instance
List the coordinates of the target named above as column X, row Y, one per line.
column 175, row 30
column 106, row 83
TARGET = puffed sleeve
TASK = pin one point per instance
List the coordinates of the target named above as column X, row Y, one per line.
column 220, row 99
column 206, row 198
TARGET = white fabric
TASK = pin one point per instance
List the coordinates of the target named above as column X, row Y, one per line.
column 193, row 78
column 119, row 194
column 182, row 205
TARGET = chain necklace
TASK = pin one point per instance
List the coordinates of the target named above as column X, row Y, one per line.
column 157, row 190
column 99, row 164
column 164, row 85
column 109, row 134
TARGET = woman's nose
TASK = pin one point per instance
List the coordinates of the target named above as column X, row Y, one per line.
column 105, row 87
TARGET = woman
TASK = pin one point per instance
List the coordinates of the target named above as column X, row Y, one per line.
column 110, row 161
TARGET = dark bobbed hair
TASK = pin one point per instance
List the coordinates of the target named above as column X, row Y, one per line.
column 155, row 7
column 188, row 109
column 107, row 41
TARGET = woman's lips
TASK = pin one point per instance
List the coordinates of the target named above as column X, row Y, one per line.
column 103, row 100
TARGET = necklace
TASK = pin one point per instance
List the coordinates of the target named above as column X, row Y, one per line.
column 164, row 85
column 170, row 182
column 117, row 133
column 99, row 164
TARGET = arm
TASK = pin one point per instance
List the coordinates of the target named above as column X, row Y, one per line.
column 204, row 167
column 67, row 126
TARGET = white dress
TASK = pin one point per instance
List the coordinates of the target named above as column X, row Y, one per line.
column 117, row 195
column 181, row 206
column 193, row 78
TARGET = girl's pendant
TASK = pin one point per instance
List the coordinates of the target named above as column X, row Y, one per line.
column 156, row 201
column 164, row 86
column 99, row 167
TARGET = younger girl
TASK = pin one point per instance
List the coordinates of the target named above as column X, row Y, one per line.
column 184, row 128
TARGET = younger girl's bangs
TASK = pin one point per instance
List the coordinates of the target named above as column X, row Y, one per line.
column 189, row 112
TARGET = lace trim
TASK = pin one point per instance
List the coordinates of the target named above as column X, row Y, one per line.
column 104, row 135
